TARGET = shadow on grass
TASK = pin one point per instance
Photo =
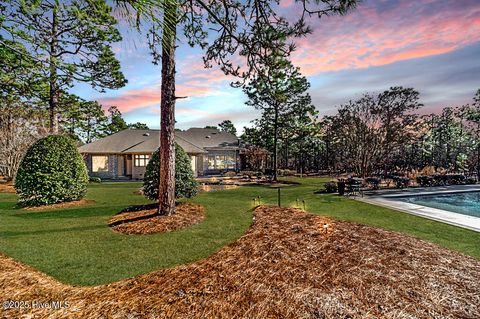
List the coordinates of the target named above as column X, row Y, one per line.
column 49, row 231
column 80, row 212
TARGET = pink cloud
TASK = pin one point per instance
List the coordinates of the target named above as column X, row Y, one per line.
column 370, row 36
column 130, row 100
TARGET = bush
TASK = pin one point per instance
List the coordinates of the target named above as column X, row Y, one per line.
column 52, row 171
column 456, row 179
column 374, row 182
column 471, row 180
column 230, row 174
column 286, row 172
column 425, row 181
column 94, row 179
column 401, row 182
column 330, row 187
column 185, row 184
column 249, row 174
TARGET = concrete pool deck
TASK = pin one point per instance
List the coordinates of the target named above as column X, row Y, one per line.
column 389, row 199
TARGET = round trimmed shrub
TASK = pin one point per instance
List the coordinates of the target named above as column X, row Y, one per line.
column 52, row 171
column 185, row 184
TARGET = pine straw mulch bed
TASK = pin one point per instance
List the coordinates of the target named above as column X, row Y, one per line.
column 144, row 219
column 7, row 188
column 283, row 267
column 77, row 203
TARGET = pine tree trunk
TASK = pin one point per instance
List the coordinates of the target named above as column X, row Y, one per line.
column 167, row 113
column 53, row 93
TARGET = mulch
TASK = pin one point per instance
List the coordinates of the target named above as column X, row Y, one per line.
column 284, row 266
column 77, row 203
column 147, row 221
column 7, row 188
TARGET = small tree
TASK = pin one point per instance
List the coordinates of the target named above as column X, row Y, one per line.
column 52, row 171
column 280, row 92
column 227, row 126
column 185, row 184
column 138, row 126
column 116, row 121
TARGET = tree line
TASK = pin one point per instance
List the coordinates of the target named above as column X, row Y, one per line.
column 375, row 135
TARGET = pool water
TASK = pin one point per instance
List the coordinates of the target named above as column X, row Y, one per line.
column 463, row 203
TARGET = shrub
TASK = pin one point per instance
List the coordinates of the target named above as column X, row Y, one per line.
column 286, row 172
column 425, row 181
column 471, row 180
column 52, row 171
column 230, row 174
column 330, row 187
column 401, row 182
column 94, row 179
column 249, row 174
column 456, row 179
column 185, row 184
column 374, row 182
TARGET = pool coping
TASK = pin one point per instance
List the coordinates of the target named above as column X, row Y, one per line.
column 448, row 217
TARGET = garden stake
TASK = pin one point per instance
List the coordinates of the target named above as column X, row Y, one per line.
column 279, row 197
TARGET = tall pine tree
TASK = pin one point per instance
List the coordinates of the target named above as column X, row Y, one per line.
column 72, row 39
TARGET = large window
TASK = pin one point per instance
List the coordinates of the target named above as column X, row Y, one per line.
column 141, row 160
column 229, row 162
column 211, row 162
column 221, row 162
column 99, row 164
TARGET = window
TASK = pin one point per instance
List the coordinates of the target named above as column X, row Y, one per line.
column 221, row 162
column 99, row 164
column 230, row 161
column 211, row 162
column 141, row 160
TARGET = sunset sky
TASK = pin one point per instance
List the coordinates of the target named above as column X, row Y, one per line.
column 432, row 46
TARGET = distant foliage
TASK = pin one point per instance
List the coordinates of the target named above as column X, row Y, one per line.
column 52, row 171
column 185, row 184
column 330, row 187
column 227, row 126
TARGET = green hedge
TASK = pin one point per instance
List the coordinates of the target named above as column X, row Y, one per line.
column 52, row 171
column 185, row 184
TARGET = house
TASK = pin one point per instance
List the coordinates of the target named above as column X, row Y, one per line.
column 124, row 155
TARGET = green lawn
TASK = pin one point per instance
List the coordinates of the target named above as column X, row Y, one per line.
column 76, row 246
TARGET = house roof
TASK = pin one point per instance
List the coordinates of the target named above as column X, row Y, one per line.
column 193, row 141
column 209, row 138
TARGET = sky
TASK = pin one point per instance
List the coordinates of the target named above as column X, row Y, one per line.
column 430, row 45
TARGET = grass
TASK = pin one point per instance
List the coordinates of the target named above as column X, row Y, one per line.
column 75, row 245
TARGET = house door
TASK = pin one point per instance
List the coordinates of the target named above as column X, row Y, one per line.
column 128, row 165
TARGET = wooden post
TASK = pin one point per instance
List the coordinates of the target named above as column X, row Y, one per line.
column 279, row 205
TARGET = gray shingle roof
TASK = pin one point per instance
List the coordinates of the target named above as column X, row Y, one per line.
column 209, row 138
column 193, row 141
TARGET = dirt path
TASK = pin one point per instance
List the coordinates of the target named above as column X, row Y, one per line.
column 285, row 266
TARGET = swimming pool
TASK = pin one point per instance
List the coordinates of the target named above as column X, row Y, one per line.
column 462, row 203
